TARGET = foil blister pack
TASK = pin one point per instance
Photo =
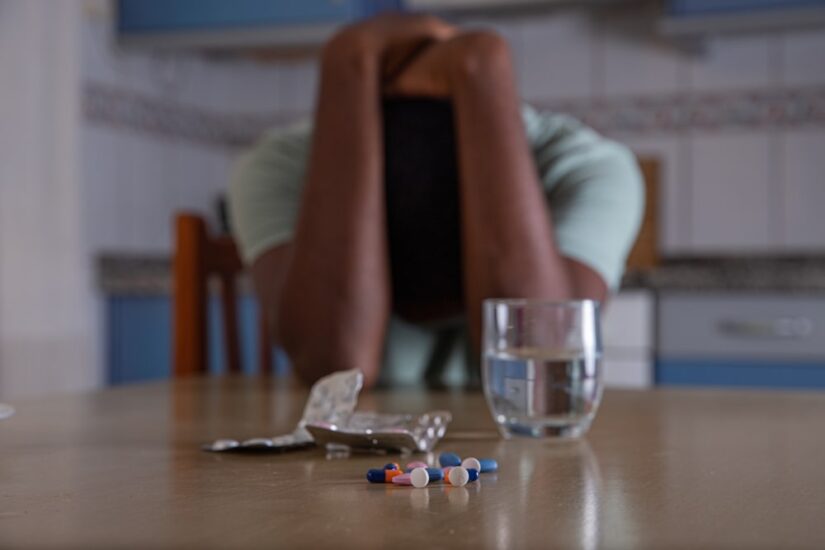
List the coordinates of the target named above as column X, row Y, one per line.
column 330, row 420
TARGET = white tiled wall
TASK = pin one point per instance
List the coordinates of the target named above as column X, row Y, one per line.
column 134, row 184
column 557, row 57
column 733, row 62
column 640, row 64
column 801, row 57
column 730, row 199
column 135, row 181
column 802, row 155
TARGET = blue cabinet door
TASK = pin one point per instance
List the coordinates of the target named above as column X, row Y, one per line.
column 137, row 16
column 707, row 7
column 139, row 338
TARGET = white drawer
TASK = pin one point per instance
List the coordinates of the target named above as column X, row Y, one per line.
column 627, row 372
column 627, row 320
column 750, row 326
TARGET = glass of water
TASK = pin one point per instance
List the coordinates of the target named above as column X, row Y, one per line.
column 542, row 369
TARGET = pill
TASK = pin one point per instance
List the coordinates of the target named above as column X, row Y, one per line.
column 419, row 477
column 392, row 466
column 389, row 475
column 469, row 463
column 473, row 473
column 416, row 464
column 458, row 476
column 376, row 475
column 449, row 459
column 436, row 474
column 488, row 465
column 403, row 479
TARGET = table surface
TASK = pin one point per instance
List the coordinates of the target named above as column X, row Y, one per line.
column 659, row 468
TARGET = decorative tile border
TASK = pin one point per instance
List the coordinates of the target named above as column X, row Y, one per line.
column 762, row 109
column 125, row 109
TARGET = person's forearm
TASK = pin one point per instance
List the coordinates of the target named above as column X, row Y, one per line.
column 335, row 299
column 509, row 249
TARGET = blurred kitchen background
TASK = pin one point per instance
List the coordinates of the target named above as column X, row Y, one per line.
column 114, row 116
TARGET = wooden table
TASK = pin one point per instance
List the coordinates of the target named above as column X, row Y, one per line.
column 659, row 469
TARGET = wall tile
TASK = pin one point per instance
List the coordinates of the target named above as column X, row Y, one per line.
column 803, row 57
column 297, row 86
column 803, row 175
column 557, row 57
column 732, row 62
column 637, row 61
column 100, row 184
column 729, row 178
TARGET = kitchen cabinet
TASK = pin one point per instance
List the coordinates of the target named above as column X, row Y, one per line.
column 139, row 338
column 741, row 339
column 240, row 23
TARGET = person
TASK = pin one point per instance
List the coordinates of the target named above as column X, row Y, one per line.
column 423, row 186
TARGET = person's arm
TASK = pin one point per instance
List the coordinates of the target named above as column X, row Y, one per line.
column 595, row 193
column 334, row 304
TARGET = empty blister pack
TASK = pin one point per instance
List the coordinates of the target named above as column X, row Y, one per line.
column 329, row 419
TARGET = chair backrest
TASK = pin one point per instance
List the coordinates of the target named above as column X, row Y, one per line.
column 645, row 251
column 198, row 258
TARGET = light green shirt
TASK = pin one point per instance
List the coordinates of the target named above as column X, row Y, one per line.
column 593, row 187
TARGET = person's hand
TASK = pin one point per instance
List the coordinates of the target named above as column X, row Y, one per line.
column 390, row 40
column 426, row 75
column 443, row 65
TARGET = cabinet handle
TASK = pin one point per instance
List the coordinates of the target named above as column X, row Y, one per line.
column 781, row 328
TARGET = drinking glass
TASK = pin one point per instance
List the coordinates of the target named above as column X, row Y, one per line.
column 542, row 369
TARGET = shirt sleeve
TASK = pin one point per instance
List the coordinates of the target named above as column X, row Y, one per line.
column 594, row 191
column 265, row 191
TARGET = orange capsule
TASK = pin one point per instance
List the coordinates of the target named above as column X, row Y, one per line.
column 389, row 474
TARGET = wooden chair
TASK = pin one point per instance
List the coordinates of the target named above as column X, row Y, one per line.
column 645, row 251
column 199, row 257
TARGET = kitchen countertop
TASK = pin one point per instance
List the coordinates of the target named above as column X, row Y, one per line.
column 150, row 274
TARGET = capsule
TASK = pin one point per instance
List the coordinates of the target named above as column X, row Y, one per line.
column 403, row 479
column 449, row 459
column 473, row 473
column 392, row 466
column 470, row 463
column 377, row 475
column 436, row 474
column 488, row 465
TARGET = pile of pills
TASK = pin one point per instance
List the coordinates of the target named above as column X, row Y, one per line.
column 452, row 469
